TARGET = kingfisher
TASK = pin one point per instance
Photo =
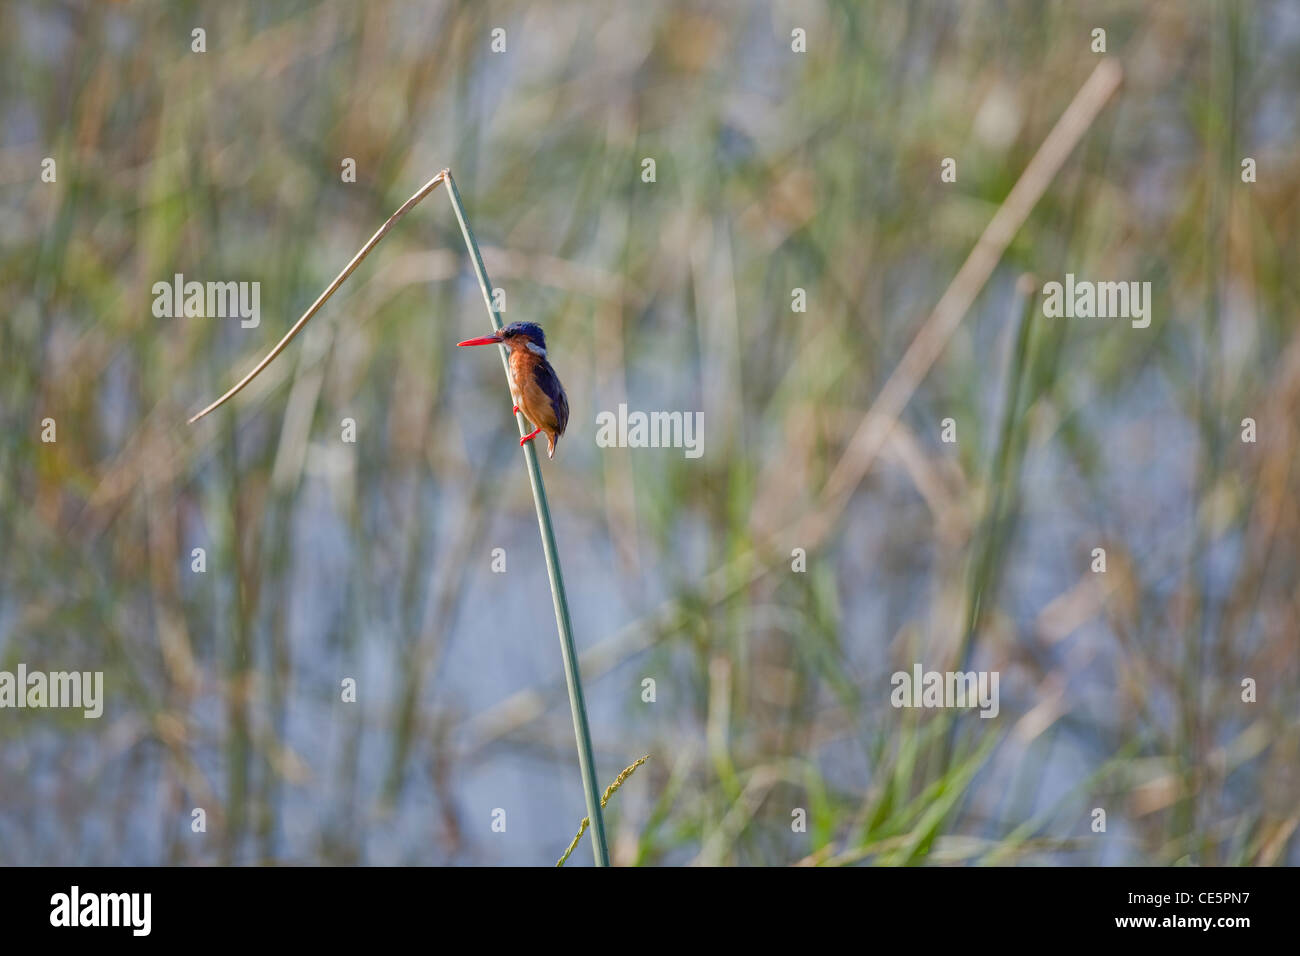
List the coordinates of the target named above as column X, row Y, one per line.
column 534, row 385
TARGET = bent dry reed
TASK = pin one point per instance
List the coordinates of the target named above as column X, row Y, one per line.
column 577, row 703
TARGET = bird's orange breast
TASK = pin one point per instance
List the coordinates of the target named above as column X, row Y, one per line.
column 533, row 401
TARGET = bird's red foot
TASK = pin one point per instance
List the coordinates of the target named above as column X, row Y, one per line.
column 515, row 409
column 529, row 437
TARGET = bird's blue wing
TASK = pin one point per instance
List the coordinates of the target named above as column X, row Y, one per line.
column 549, row 383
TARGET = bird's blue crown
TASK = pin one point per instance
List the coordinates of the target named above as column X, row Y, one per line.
column 530, row 329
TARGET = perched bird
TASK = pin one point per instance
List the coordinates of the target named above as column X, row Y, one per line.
column 534, row 385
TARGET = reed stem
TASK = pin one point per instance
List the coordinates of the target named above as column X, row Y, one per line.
column 577, row 704
column 586, row 758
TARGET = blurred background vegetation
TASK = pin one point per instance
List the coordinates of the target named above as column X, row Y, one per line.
column 776, row 170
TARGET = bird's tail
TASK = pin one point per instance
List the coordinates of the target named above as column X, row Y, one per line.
column 550, row 445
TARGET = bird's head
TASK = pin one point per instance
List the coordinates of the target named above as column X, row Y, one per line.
column 516, row 335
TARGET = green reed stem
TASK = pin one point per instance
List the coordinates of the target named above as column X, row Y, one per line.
column 609, row 792
column 586, row 760
column 586, row 757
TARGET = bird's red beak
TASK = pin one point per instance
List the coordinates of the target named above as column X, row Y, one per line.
column 485, row 340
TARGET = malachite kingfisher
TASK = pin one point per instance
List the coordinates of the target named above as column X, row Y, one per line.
column 534, row 385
